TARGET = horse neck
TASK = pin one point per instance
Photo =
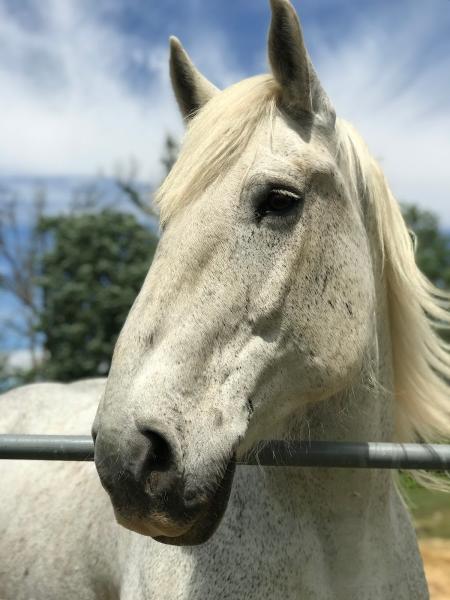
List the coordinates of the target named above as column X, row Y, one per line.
column 363, row 412
column 338, row 523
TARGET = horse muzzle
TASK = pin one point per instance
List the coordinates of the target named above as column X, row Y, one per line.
column 152, row 495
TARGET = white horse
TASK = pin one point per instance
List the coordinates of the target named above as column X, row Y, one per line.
column 284, row 302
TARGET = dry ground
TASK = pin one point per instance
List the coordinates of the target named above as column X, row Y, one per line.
column 436, row 558
column 431, row 511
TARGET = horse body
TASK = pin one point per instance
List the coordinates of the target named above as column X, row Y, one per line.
column 287, row 533
column 53, row 514
column 283, row 302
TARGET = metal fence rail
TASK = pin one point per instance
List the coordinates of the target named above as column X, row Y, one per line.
column 274, row 453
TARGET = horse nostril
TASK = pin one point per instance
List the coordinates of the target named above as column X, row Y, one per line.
column 157, row 471
column 159, row 455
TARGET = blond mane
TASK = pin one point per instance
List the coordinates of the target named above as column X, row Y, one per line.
column 417, row 308
column 216, row 138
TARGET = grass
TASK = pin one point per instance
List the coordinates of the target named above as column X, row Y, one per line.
column 430, row 509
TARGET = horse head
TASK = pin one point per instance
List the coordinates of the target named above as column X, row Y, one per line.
column 261, row 298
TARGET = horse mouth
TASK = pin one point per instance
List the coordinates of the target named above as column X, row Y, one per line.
column 197, row 530
column 209, row 518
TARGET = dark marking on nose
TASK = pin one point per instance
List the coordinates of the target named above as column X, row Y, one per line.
column 218, row 418
column 147, row 339
column 249, row 405
column 325, row 282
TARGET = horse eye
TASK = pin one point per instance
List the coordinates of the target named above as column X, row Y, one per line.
column 278, row 203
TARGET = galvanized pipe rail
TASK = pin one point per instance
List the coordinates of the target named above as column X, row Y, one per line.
column 353, row 455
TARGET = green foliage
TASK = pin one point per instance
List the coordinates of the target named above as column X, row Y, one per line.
column 430, row 508
column 91, row 273
column 433, row 245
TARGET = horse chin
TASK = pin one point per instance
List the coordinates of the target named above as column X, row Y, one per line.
column 209, row 518
column 198, row 531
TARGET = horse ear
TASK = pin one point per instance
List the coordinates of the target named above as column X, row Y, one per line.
column 291, row 64
column 192, row 90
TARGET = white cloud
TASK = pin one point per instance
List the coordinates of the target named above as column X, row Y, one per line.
column 382, row 78
column 66, row 109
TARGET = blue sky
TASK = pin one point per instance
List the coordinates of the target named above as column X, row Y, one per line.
column 85, row 84
column 85, row 87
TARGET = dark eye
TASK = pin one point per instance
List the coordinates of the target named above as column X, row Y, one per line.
column 278, row 203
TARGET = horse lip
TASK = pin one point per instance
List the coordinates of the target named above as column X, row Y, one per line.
column 206, row 523
column 144, row 527
column 197, row 530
